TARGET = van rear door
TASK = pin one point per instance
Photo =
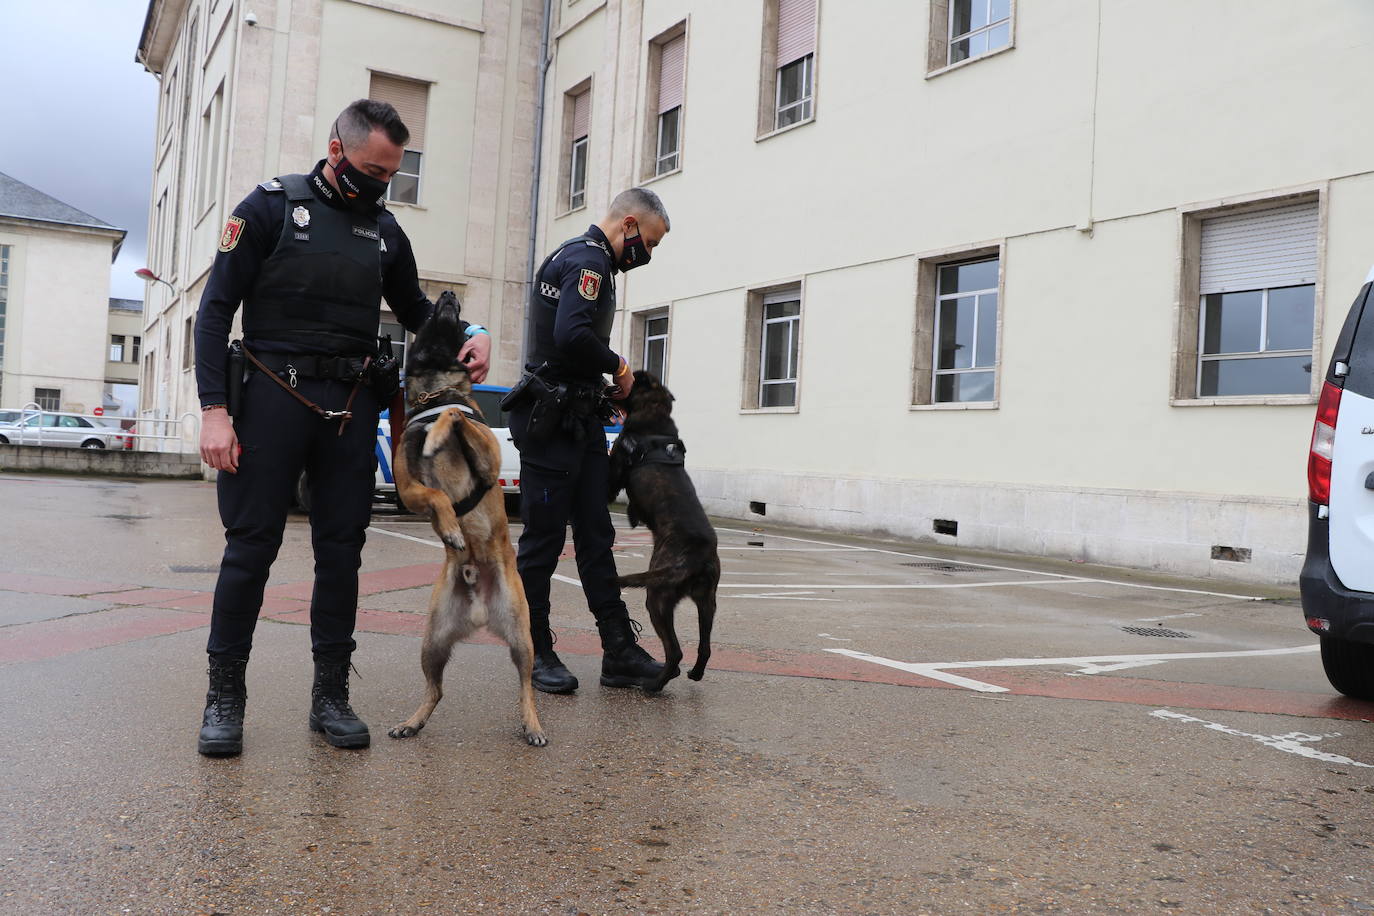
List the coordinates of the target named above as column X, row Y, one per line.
column 1352, row 463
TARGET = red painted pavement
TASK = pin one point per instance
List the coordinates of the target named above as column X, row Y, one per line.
column 28, row 642
column 77, row 633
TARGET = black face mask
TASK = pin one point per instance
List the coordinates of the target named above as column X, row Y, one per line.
column 633, row 253
column 360, row 190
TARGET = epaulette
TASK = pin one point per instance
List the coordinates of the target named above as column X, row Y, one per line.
column 272, row 185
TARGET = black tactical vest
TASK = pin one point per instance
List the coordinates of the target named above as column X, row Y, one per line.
column 322, row 285
column 544, row 298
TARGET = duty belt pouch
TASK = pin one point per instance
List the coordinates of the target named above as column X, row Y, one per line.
column 524, row 391
column 384, row 372
column 549, row 410
column 235, row 372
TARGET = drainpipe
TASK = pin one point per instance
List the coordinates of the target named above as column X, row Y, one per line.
column 527, row 342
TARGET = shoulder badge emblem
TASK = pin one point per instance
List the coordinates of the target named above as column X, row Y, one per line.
column 301, row 217
column 233, row 231
column 589, row 284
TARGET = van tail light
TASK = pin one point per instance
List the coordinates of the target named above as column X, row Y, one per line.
column 1323, row 441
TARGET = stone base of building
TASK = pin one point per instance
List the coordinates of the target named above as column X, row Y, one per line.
column 1236, row 538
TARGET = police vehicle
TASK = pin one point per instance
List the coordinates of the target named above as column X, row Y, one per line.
column 1337, row 579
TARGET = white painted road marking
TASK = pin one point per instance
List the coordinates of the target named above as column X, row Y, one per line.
column 1088, row 664
column 1291, row 743
column 903, row 586
column 1060, row 576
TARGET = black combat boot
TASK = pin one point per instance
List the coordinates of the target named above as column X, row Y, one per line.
column 624, row 663
column 550, row 674
column 329, row 709
column 221, row 728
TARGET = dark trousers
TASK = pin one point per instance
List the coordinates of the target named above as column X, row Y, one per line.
column 280, row 438
column 564, row 482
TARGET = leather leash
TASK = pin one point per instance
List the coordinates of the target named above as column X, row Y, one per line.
column 342, row 415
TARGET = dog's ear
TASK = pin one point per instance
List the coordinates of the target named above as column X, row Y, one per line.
column 646, row 378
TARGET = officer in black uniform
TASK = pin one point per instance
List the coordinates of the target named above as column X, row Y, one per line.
column 310, row 257
column 563, row 463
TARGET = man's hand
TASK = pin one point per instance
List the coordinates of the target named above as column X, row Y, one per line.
column 622, row 382
column 476, row 355
column 219, row 444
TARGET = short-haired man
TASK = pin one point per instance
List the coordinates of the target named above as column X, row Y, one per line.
column 563, row 465
column 310, row 257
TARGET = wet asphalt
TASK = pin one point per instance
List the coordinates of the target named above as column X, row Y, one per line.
column 794, row 778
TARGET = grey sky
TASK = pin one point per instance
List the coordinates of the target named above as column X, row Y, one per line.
column 80, row 114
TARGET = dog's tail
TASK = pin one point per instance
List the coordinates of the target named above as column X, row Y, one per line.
column 658, row 575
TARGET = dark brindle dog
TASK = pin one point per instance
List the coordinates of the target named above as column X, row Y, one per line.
column 647, row 461
column 445, row 468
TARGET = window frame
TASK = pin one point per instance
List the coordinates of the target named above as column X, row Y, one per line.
column 793, row 360
column 417, row 175
column 1187, row 342
column 1204, row 357
column 651, row 163
column 952, row 39
column 924, row 359
column 117, row 344
column 805, row 102
column 939, row 39
column 977, row 296
column 757, row 299
column 640, row 337
column 660, row 158
column 577, row 194
column 43, row 400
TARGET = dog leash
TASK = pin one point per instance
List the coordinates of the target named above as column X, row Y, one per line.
column 342, row 415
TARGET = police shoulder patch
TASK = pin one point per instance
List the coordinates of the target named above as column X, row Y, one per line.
column 233, row 231
column 589, row 284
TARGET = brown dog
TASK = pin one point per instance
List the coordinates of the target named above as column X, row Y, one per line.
column 445, row 468
column 647, row 461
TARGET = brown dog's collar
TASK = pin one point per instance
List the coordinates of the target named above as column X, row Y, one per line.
column 425, row 397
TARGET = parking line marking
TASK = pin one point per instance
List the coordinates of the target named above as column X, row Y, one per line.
column 904, row 586
column 404, row 537
column 1291, row 743
column 1060, row 576
column 1088, row 664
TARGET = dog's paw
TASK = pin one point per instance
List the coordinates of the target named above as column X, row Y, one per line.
column 405, row 731
column 535, row 739
column 454, row 539
column 696, row 673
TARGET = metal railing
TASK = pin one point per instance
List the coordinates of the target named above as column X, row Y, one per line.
column 144, row 433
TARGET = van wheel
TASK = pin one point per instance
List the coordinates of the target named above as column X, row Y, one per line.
column 301, row 495
column 1349, row 666
column 4, row 441
column 93, row 443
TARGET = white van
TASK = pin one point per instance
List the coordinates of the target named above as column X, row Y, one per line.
column 1337, row 579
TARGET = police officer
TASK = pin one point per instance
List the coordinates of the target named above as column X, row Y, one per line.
column 563, row 463
column 310, row 257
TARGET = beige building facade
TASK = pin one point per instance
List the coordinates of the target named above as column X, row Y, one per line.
column 54, row 298
column 1018, row 276
column 250, row 91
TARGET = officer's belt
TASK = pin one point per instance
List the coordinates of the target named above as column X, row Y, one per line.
column 315, row 365
column 668, row 450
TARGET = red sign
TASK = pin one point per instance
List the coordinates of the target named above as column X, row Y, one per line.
column 99, row 411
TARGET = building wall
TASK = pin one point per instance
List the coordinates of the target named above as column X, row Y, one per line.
column 128, row 325
column 1078, row 153
column 285, row 79
column 59, row 291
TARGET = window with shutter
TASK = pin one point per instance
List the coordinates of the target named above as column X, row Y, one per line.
column 671, row 76
column 796, row 58
column 1257, row 303
column 410, row 98
column 577, row 153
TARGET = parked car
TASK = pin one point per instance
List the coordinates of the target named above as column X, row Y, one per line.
column 67, row 430
column 1337, row 579
column 488, row 398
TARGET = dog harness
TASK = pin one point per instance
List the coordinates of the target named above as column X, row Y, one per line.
column 667, row 450
column 427, row 417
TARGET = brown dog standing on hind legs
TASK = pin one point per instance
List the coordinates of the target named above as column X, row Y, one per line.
column 647, row 460
column 445, row 468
